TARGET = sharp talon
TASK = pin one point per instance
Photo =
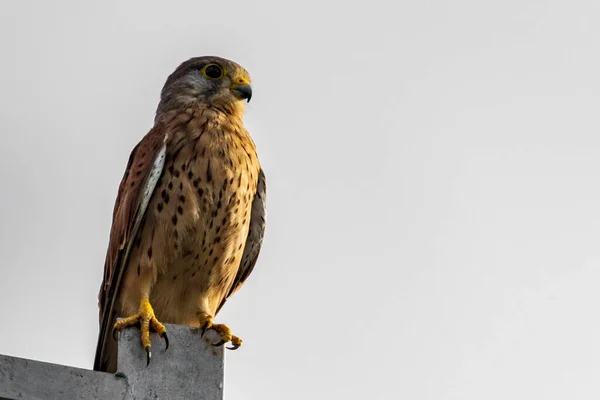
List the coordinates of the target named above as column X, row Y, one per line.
column 166, row 340
column 234, row 347
column 114, row 334
column 219, row 343
column 203, row 329
column 148, row 355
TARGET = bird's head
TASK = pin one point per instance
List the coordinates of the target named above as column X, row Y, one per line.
column 212, row 81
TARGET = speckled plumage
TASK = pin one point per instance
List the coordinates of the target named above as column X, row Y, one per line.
column 198, row 237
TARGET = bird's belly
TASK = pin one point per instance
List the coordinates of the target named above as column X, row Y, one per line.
column 206, row 233
column 199, row 279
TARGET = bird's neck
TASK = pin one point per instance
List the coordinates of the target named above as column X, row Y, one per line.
column 168, row 108
column 218, row 126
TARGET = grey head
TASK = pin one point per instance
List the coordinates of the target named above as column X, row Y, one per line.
column 209, row 81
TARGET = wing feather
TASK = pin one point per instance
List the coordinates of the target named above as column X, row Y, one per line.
column 144, row 169
column 258, row 221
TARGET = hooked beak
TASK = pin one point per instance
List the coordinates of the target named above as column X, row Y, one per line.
column 242, row 89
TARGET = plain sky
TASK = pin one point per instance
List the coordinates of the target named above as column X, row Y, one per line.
column 433, row 187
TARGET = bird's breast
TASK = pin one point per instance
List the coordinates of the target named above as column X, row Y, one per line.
column 202, row 216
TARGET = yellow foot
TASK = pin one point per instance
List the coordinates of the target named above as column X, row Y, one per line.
column 206, row 323
column 146, row 320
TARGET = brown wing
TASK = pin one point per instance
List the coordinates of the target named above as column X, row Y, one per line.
column 258, row 221
column 141, row 175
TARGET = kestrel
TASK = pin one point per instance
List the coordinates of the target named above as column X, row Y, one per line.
column 189, row 218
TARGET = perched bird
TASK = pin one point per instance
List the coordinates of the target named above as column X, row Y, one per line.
column 189, row 218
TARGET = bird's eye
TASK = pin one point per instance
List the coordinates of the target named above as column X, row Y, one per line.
column 212, row 71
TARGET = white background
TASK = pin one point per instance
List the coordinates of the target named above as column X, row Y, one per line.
column 433, row 187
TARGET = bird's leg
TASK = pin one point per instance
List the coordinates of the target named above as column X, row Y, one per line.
column 206, row 323
column 146, row 319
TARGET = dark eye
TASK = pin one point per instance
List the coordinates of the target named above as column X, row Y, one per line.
column 213, row 71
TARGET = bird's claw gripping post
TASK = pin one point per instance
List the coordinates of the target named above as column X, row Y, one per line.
column 225, row 335
column 147, row 321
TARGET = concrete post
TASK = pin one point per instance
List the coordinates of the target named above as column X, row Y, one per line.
column 190, row 369
column 35, row 380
